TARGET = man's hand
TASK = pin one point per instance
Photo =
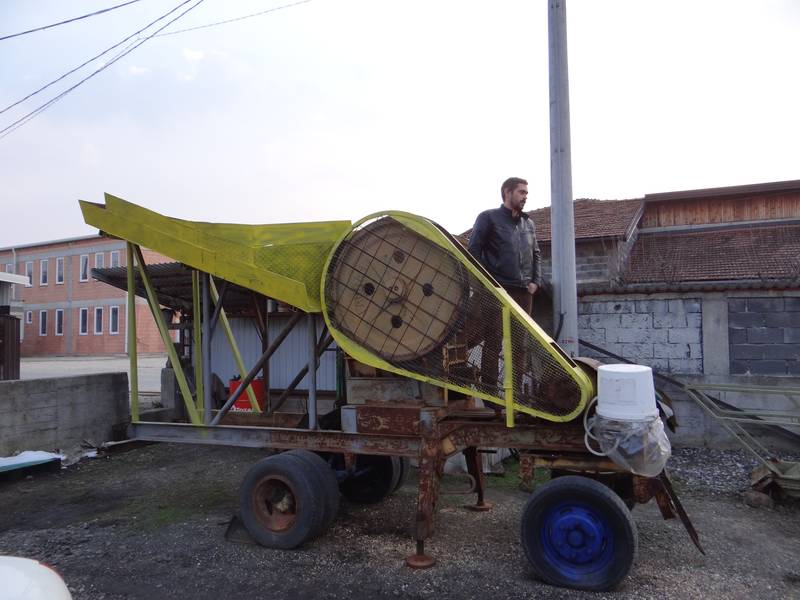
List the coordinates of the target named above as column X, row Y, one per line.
column 532, row 287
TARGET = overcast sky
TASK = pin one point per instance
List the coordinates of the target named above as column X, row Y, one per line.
column 334, row 109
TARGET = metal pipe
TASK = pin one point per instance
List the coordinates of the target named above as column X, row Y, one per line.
column 131, row 336
column 205, row 336
column 197, row 343
column 218, row 307
column 260, row 363
column 312, row 371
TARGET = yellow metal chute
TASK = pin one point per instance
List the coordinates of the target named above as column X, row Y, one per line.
column 281, row 261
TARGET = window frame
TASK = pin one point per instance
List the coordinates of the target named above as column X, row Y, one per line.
column 29, row 272
column 83, row 310
column 28, row 317
column 98, row 310
column 41, row 322
column 111, row 311
column 58, row 324
column 81, row 263
column 112, row 254
column 101, row 264
column 44, row 268
column 60, row 265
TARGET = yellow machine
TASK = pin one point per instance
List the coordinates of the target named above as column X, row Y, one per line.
column 397, row 293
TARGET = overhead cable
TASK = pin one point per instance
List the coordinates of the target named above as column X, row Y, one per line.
column 97, row 12
column 35, row 112
column 258, row 14
column 83, row 64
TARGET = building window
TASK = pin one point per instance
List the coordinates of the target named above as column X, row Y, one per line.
column 60, row 269
column 43, row 271
column 29, row 273
column 28, row 317
column 114, row 262
column 113, row 320
column 42, row 322
column 98, row 320
column 59, row 321
column 99, row 260
column 84, row 321
column 84, row 267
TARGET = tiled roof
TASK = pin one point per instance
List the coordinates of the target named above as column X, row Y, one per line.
column 752, row 253
column 593, row 219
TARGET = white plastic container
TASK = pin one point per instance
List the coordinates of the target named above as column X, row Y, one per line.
column 626, row 393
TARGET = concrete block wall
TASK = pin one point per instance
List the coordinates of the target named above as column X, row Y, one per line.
column 594, row 261
column 764, row 335
column 665, row 333
column 61, row 412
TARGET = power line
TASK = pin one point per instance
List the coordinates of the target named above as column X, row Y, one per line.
column 98, row 12
column 35, row 112
column 258, row 14
column 106, row 51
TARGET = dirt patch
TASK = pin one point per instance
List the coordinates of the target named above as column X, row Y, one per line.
column 151, row 523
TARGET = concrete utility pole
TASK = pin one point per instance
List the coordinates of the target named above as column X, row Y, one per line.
column 565, row 297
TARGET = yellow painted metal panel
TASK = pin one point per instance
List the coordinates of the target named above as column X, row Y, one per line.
column 282, row 261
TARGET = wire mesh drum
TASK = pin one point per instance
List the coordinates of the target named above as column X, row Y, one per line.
column 402, row 289
column 394, row 292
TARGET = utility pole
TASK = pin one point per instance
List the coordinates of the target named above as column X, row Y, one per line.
column 565, row 296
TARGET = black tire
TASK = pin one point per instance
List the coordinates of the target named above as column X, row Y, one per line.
column 374, row 479
column 278, row 503
column 405, row 470
column 622, row 485
column 577, row 533
column 327, row 486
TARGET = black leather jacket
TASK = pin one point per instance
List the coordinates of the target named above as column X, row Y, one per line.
column 506, row 246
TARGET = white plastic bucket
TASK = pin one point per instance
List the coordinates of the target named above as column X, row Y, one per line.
column 626, row 393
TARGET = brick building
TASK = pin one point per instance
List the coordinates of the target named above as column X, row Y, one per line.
column 64, row 310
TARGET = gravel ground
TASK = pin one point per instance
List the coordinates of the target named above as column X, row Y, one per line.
column 150, row 524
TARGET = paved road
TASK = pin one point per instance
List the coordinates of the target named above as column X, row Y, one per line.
column 63, row 366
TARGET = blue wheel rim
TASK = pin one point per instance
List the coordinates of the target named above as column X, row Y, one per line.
column 577, row 540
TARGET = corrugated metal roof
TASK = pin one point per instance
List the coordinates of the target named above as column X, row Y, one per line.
column 173, row 285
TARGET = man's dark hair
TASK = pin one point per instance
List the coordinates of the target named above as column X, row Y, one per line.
column 510, row 185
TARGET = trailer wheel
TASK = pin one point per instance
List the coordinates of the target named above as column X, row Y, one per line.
column 374, row 479
column 405, row 470
column 577, row 533
column 278, row 503
column 326, row 483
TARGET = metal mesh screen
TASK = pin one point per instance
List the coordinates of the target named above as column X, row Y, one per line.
column 415, row 305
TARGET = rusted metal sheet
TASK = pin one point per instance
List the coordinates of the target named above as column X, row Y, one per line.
column 561, row 438
column 384, row 419
column 250, row 419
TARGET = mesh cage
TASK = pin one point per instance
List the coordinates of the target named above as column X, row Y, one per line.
column 418, row 307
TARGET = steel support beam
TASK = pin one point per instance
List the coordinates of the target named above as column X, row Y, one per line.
column 197, row 344
column 237, row 356
column 152, row 300
column 273, row 437
column 131, row 333
column 257, row 367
